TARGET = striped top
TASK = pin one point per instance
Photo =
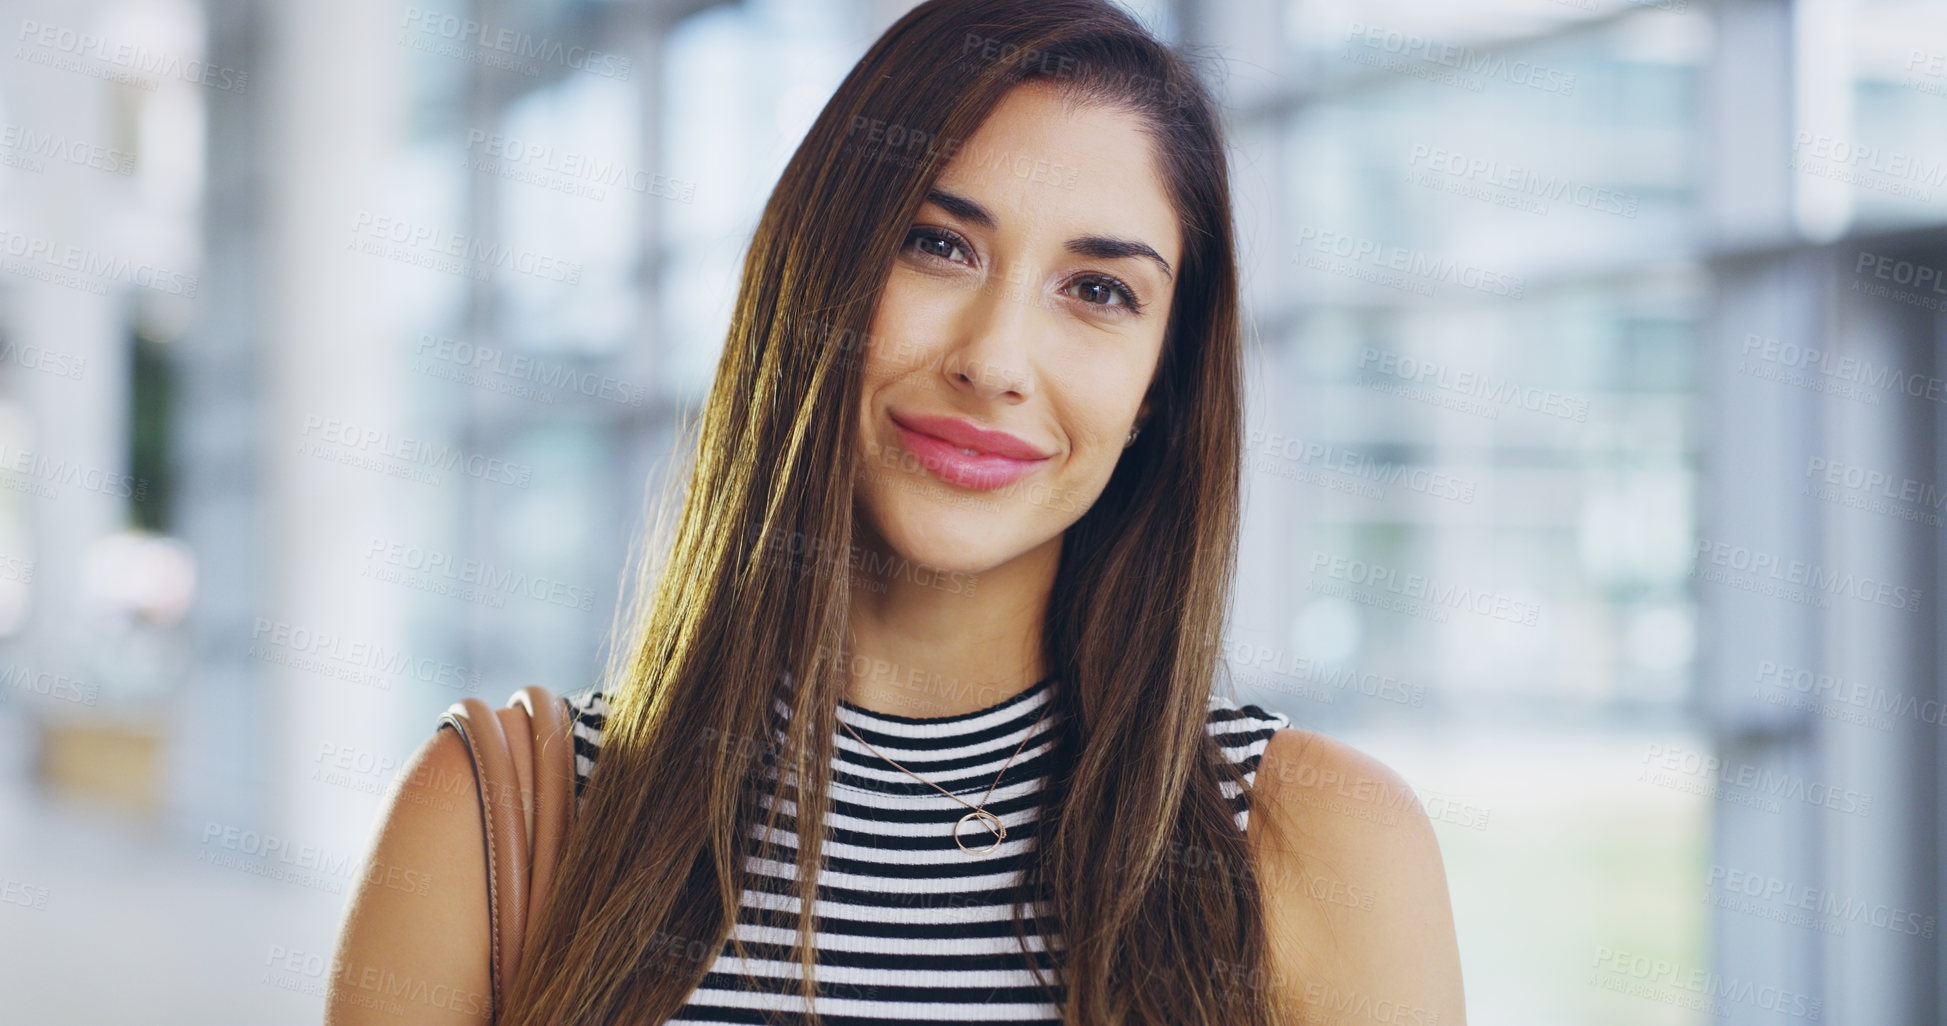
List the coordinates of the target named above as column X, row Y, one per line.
column 912, row 928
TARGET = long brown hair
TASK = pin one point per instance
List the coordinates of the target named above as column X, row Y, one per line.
column 1144, row 871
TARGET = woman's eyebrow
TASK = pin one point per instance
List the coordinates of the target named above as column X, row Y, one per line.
column 963, row 208
column 1102, row 247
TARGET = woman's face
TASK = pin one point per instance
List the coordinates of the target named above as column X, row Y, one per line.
column 1030, row 298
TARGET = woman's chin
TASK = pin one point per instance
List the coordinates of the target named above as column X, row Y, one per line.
column 944, row 543
column 936, row 554
column 924, row 526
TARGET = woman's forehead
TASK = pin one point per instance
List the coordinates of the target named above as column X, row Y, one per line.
column 1042, row 162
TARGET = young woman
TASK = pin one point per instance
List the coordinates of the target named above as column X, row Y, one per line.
column 948, row 579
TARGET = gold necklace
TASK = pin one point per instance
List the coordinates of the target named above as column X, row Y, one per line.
column 989, row 820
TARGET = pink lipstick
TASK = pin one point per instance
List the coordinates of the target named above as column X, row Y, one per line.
column 963, row 453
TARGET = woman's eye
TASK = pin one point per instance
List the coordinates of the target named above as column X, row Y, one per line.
column 934, row 244
column 1104, row 292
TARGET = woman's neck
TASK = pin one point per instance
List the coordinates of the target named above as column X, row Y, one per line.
column 929, row 643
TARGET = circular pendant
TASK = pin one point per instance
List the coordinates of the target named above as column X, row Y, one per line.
column 986, row 819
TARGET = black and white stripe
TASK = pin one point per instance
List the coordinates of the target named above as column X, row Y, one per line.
column 912, row 928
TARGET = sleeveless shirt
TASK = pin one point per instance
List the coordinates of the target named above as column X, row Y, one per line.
column 910, row 928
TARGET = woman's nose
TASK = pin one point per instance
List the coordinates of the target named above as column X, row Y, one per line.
column 993, row 347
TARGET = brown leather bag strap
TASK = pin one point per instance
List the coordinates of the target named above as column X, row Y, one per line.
column 553, row 789
column 503, row 827
column 525, row 774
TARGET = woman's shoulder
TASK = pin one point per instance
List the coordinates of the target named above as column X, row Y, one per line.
column 1354, row 870
column 419, row 910
column 1310, row 774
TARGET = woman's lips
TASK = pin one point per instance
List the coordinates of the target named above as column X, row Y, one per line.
column 980, row 471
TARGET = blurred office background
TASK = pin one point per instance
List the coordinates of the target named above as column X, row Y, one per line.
column 1596, row 476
